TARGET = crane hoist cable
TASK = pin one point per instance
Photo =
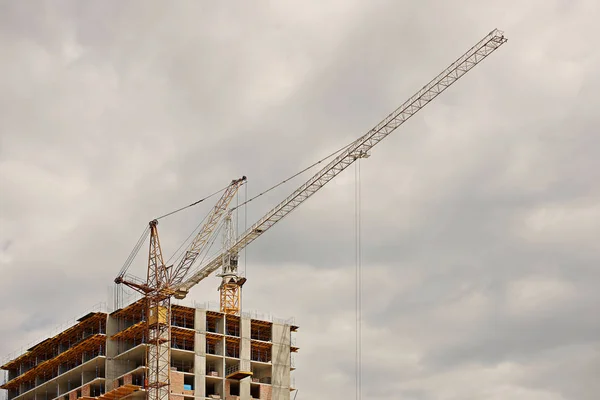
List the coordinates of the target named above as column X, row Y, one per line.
column 358, row 293
column 245, row 228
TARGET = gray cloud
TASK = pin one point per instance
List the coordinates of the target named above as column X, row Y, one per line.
column 479, row 218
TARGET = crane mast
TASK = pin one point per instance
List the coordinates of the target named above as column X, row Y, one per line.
column 358, row 149
column 158, row 305
column 231, row 283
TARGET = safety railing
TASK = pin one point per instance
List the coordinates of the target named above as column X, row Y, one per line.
column 232, row 368
column 260, row 355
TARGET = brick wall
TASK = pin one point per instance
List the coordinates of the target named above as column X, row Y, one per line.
column 266, row 392
column 228, row 395
column 176, row 382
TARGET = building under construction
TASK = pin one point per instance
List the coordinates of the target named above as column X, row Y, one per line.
column 213, row 356
column 161, row 351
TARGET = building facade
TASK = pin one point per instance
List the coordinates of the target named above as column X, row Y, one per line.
column 213, row 356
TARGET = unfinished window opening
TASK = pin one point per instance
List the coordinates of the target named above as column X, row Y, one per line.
column 188, row 382
column 213, row 322
column 182, row 342
column 211, row 348
column 261, row 373
column 234, row 388
column 213, row 388
column 138, row 379
column 182, row 365
column 12, row 393
column 232, row 326
column 214, row 345
column 97, row 390
column 232, row 348
column 255, row 391
column 182, row 317
column 261, row 330
column 260, row 352
column 212, row 368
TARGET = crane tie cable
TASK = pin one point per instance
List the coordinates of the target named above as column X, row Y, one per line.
column 358, row 254
column 140, row 241
column 134, row 252
column 291, row 177
column 144, row 235
column 186, row 240
column 193, row 204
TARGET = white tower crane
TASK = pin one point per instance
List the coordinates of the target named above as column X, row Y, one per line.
column 358, row 149
column 162, row 282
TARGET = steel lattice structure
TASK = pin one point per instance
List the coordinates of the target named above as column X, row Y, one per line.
column 163, row 283
column 158, row 317
column 158, row 291
column 357, row 149
column 201, row 240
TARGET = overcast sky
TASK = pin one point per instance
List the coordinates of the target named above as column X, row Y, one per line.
column 480, row 216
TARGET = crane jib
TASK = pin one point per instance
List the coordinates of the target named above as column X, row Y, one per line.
column 357, row 149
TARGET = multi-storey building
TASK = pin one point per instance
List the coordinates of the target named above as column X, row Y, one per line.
column 213, row 356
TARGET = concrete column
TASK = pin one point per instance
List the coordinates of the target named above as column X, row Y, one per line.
column 112, row 327
column 222, row 324
column 245, row 332
column 200, row 354
column 245, row 344
column 223, row 361
column 280, row 358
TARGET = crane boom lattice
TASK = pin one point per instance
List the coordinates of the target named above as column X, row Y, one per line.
column 357, row 149
column 201, row 240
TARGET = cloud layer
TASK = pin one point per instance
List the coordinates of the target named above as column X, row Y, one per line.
column 480, row 216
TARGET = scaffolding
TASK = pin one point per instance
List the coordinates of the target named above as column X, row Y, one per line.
column 110, row 350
